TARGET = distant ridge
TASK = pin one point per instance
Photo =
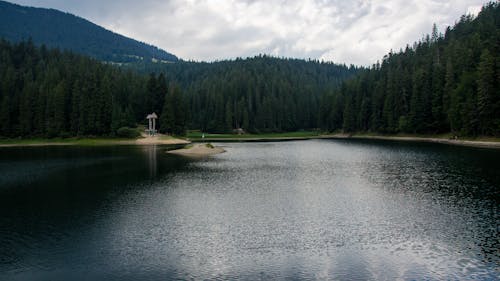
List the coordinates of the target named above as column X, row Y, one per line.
column 69, row 32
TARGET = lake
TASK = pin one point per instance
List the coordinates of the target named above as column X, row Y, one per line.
column 317, row 209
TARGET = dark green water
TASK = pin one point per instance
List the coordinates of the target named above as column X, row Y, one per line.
column 318, row 209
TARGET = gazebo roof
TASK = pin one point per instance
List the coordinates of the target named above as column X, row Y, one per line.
column 152, row 116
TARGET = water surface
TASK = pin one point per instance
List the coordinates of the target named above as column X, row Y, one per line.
column 318, row 209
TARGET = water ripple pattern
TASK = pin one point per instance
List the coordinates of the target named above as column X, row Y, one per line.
column 318, row 209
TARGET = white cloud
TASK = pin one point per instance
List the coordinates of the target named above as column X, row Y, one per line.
column 356, row 31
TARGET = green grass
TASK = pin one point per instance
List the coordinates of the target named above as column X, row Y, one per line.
column 67, row 141
column 81, row 141
column 165, row 137
column 370, row 134
column 434, row 136
column 301, row 134
column 196, row 136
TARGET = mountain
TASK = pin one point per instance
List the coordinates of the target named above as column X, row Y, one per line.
column 65, row 31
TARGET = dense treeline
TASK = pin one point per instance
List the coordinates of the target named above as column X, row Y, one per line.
column 259, row 94
column 444, row 83
column 50, row 93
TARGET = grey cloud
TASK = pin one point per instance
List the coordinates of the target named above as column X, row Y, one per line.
column 357, row 31
column 382, row 10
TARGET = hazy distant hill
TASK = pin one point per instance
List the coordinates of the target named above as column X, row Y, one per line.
column 66, row 31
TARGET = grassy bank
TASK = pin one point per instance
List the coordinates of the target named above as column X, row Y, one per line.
column 89, row 141
column 64, row 141
column 489, row 142
column 482, row 141
column 447, row 136
column 197, row 136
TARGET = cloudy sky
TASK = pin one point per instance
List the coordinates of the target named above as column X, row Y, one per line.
column 343, row 31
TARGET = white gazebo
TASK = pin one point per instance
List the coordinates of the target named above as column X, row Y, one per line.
column 152, row 123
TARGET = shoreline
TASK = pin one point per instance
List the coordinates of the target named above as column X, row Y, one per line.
column 198, row 150
column 459, row 142
column 253, row 139
column 166, row 140
column 156, row 140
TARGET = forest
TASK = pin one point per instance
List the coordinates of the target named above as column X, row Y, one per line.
column 444, row 83
column 49, row 93
column 259, row 94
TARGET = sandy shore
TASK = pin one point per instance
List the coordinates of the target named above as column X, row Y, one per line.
column 160, row 140
column 484, row 144
column 256, row 139
column 165, row 140
column 198, row 150
column 156, row 140
column 471, row 143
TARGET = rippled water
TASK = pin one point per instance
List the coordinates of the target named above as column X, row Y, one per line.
column 318, row 209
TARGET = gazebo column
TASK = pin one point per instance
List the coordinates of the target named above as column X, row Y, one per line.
column 154, row 126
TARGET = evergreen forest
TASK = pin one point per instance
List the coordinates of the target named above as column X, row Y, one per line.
column 444, row 83
column 49, row 93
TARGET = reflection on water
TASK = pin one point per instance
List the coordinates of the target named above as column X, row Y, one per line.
column 151, row 151
column 301, row 210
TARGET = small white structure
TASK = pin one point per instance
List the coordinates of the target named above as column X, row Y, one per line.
column 152, row 123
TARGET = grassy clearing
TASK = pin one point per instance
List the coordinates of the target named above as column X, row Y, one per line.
column 196, row 135
column 446, row 136
column 91, row 141
column 67, row 141
column 166, row 137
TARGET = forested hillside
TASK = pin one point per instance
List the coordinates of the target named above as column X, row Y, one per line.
column 260, row 94
column 45, row 92
column 443, row 83
column 48, row 93
column 65, row 31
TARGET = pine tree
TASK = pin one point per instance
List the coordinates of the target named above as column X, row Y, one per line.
column 167, row 118
column 179, row 110
column 229, row 117
column 173, row 118
column 488, row 96
column 449, row 84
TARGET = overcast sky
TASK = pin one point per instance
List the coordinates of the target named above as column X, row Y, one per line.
column 343, row 31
